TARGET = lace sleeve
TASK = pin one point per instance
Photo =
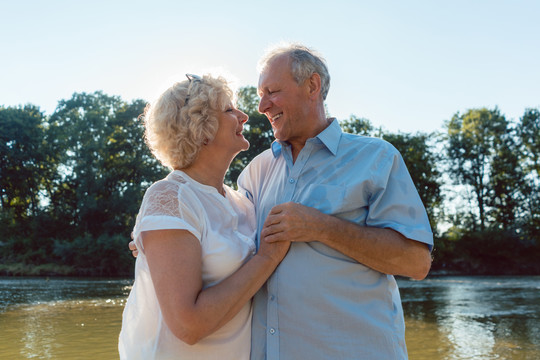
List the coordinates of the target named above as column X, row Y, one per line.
column 161, row 199
column 162, row 209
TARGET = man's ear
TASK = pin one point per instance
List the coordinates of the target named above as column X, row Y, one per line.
column 314, row 83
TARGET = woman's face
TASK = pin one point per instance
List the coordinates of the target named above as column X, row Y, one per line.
column 229, row 136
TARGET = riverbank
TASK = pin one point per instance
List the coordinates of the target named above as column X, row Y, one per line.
column 53, row 270
column 461, row 268
column 480, row 267
column 20, row 269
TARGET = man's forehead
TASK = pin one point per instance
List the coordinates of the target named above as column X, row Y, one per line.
column 265, row 80
column 275, row 71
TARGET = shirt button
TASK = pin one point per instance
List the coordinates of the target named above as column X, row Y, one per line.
column 291, row 181
column 272, row 331
column 272, row 297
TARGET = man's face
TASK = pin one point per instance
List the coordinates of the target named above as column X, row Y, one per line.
column 283, row 101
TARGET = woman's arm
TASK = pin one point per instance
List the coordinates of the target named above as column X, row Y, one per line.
column 174, row 259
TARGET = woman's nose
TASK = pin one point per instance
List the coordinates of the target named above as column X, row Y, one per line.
column 243, row 117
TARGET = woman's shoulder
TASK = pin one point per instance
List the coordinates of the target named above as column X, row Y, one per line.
column 163, row 186
column 170, row 191
column 171, row 196
column 172, row 183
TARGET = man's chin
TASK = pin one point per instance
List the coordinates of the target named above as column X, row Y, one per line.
column 277, row 135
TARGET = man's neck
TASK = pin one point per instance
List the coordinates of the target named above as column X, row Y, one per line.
column 297, row 146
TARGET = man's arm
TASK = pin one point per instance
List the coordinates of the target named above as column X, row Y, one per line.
column 384, row 250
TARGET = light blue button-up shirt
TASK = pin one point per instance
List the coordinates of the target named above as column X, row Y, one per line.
column 319, row 303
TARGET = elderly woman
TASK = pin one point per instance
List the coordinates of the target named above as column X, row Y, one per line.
column 197, row 267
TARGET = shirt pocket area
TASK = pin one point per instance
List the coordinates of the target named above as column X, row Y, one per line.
column 328, row 199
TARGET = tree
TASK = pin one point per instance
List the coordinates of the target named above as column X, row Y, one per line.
column 471, row 148
column 105, row 163
column 257, row 131
column 505, row 182
column 356, row 125
column 528, row 131
column 23, row 160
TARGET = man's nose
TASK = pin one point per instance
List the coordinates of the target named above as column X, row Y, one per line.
column 264, row 104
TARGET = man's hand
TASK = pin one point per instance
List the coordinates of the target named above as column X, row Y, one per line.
column 133, row 248
column 381, row 249
column 292, row 222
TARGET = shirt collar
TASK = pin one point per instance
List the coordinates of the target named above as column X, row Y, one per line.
column 276, row 148
column 329, row 137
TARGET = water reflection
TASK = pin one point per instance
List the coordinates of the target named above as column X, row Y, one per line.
column 473, row 318
column 446, row 318
column 60, row 318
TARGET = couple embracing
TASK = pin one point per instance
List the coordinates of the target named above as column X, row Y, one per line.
column 299, row 262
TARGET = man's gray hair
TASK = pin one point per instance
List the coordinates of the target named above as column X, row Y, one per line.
column 304, row 62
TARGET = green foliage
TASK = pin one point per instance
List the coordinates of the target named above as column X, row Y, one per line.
column 71, row 184
column 257, row 131
column 498, row 161
column 474, row 139
column 90, row 256
column 529, row 134
column 356, row 125
column 76, row 176
column 528, row 131
column 106, row 163
column 491, row 252
column 23, row 160
column 83, row 256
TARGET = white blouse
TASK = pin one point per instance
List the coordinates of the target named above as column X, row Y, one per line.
column 226, row 228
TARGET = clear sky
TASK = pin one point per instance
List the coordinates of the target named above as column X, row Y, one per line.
column 405, row 65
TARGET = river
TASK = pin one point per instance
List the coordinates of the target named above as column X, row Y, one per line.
column 446, row 318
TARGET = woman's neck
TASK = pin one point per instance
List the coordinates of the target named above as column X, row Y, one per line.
column 207, row 173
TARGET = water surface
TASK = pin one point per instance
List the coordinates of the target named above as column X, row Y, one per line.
column 446, row 318
column 472, row 317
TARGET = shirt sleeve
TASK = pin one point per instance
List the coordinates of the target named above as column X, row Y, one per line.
column 395, row 202
column 245, row 182
column 166, row 207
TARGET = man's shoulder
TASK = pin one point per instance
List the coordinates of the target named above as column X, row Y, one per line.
column 368, row 143
column 264, row 157
column 253, row 171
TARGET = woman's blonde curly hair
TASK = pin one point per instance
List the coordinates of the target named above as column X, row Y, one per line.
column 177, row 124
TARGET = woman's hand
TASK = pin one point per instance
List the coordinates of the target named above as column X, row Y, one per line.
column 276, row 251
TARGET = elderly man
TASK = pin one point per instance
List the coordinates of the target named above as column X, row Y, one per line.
column 355, row 218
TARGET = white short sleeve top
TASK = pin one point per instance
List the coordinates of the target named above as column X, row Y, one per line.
column 226, row 228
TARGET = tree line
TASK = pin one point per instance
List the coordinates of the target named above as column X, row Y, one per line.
column 71, row 184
